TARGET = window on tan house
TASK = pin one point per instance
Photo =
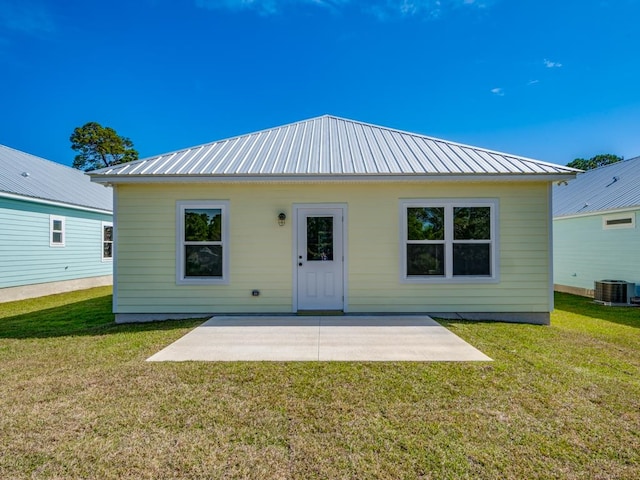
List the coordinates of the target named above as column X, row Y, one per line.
column 449, row 240
column 202, row 242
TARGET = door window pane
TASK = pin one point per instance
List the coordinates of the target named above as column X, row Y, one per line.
column 425, row 259
column 319, row 239
column 425, row 223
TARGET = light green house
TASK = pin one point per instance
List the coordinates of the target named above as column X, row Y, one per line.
column 55, row 228
column 332, row 215
column 595, row 230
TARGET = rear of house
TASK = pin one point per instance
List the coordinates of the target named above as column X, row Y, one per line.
column 333, row 215
column 595, row 228
column 57, row 227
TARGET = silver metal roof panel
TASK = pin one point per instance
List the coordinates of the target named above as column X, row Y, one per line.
column 28, row 176
column 612, row 187
column 332, row 147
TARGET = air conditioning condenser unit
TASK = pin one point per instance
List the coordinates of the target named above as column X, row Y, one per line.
column 614, row 292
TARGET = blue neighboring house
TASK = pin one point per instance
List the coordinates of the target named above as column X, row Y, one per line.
column 56, row 228
column 595, row 228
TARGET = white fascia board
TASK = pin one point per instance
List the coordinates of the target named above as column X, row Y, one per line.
column 598, row 213
column 115, row 179
column 53, row 203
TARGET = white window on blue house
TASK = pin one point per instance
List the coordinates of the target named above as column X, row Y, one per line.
column 202, row 232
column 107, row 241
column 450, row 241
column 56, row 231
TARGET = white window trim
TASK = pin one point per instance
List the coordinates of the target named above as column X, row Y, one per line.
column 181, row 206
column 102, row 242
column 448, row 205
column 619, row 216
column 63, row 231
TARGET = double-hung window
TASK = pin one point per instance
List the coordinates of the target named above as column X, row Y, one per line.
column 449, row 240
column 202, row 242
column 56, row 231
column 107, row 241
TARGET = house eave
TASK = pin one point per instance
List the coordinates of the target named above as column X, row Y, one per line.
column 54, row 203
column 593, row 213
column 324, row 178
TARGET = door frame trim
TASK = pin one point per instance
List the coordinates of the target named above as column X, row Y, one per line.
column 294, row 259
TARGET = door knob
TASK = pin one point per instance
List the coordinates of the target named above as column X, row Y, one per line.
column 299, row 264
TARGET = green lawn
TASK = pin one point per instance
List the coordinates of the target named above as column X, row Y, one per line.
column 78, row 400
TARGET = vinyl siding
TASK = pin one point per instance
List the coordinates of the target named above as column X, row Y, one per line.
column 261, row 254
column 584, row 252
column 26, row 258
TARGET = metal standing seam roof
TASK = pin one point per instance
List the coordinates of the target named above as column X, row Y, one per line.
column 329, row 146
column 38, row 179
column 607, row 188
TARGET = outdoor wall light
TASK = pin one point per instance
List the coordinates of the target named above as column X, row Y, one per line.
column 281, row 218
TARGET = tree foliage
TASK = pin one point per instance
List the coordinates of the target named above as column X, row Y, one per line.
column 203, row 225
column 100, row 147
column 594, row 162
column 425, row 223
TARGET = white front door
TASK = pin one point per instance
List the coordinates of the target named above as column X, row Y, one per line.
column 320, row 258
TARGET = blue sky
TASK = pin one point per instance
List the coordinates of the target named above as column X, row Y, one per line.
column 552, row 80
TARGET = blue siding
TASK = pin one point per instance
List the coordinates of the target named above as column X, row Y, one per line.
column 584, row 252
column 25, row 254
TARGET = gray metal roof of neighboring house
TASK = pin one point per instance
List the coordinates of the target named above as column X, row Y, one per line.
column 611, row 187
column 36, row 178
column 324, row 147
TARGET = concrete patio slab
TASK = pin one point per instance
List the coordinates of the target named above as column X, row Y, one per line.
column 319, row 338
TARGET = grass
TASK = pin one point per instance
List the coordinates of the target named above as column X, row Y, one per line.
column 78, row 400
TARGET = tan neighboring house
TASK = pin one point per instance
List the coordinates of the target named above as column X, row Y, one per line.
column 333, row 215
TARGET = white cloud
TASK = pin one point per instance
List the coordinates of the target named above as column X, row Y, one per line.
column 550, row 64
column 498, row 91
column 383, row 9
column 533, row 82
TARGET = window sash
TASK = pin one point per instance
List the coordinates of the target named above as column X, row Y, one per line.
column 205, row 261
column 455, row 250
column 56, row 231
column 107, row 243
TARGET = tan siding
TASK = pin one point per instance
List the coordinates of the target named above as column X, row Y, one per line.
column 261, row 251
